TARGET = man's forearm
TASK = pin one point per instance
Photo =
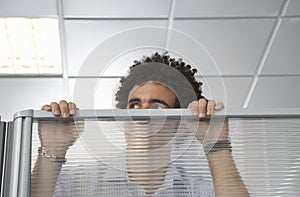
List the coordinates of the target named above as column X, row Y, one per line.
column 226, row 178
column 44, row 176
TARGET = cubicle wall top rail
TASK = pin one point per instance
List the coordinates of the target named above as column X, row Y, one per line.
column 121, row 114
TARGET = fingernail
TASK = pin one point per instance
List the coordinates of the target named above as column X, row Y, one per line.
column 201, row 115
column 73, row 111
column 209, row 112
column 195, row 113
column 65, row 115
column 56, row 112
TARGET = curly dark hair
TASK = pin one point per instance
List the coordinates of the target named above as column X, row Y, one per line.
column 164, row 69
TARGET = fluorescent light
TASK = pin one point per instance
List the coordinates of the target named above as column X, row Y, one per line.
column 30, row 46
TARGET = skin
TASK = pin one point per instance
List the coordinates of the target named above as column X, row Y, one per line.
column 151, row 95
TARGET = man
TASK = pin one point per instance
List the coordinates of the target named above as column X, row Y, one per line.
column 157, row 82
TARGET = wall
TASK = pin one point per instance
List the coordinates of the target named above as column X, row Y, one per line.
column 247, row 52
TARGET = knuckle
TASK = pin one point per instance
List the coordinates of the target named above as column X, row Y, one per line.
column 212, row 104
column 44, row 107
column 202, row 102
column 62, row 102
column 194, row 103
column 53, row 103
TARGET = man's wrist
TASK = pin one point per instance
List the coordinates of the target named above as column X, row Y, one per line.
column 58, row 159
column 217, row 146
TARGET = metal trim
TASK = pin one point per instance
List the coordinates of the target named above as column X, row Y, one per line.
column 2, row 148
column 7, row 158
column 24, row 113
column 17, row 166
column 15, row 157
column 171, row 113
column 25, row 158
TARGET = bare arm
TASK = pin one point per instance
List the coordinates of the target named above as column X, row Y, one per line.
column 55, row 139
column 226, row 178
column 44, row 176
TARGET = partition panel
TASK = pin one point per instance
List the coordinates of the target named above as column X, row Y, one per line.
column 7, row 157
column 155, row 153
column 2, row 144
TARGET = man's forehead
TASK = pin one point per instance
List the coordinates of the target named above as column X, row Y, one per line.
column 138, row 85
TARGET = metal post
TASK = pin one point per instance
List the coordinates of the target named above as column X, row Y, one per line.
column 2, row 144
column 25, row 158
column 7, row 158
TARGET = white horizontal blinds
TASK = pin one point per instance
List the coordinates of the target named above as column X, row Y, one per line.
column 135, row 158
column 267, row 154
column 128, row 158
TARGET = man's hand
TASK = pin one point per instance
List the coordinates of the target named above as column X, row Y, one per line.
column 204, row 108
column 63, row 108
column 57, row 137
column 208, row 131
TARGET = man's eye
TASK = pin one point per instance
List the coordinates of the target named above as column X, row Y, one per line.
column 134, row 106
column 158, row 106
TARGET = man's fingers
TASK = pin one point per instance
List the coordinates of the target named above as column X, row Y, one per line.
column 194, row 107
column 219, row 106
column 72, row 108
column 55, row 109
column 210, row 107
column 64, row 109
column 46, row 107
column 202, row 108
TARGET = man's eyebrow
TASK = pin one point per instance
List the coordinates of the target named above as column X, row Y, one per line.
column 159, row 101
column 151, row 101
column 134, row 100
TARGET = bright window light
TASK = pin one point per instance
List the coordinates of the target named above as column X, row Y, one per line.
column 30, row 46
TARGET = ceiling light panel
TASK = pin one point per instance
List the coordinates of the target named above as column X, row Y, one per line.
column 30, row 46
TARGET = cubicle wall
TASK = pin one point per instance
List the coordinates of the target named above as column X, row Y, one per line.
column 7, row 169
column 2, row 144
column 150, row 153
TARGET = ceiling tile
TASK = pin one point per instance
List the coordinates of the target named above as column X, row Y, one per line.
column 94, row 46
column 28, row 8
column 221, row 47
column 226, row 8
column 284, row 56
column 293, row 8
column 116, row 8
column 229, row 90
column 276, row 92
